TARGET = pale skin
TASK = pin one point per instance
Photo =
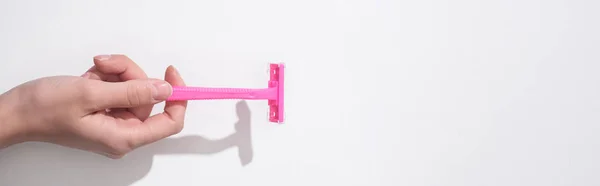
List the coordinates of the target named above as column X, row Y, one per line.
column 106, row 110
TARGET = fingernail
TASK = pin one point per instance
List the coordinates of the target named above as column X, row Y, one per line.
column 176, row 71
column 162, row 90
column 103, row 57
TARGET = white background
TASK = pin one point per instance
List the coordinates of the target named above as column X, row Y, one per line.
column 379, row 92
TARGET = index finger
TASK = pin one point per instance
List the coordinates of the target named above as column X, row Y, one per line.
column 117, row 68
column 164, row 124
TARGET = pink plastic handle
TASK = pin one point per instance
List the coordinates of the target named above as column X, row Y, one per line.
column 274, row 93
column 208, row 93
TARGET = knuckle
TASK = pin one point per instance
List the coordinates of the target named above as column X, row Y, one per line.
column 178, row 127
column 117, row 153
column 138, row 94
column 133, row 142
column 115, row 156
column 132, row 96
column 118, row 148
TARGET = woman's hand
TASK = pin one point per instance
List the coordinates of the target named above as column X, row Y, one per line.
column 106, row 110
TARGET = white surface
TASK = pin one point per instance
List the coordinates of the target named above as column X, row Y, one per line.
column 383, row 92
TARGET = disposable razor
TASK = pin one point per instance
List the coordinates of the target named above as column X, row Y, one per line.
column 273, row 93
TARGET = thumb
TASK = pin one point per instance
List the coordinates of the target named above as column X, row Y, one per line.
column 133, row 93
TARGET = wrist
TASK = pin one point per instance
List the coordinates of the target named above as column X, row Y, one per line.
column 11, row 131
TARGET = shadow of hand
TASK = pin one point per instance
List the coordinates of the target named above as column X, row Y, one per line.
column 195, row 144
column 45, row 164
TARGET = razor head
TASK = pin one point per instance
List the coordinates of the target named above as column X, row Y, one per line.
column 276, row 73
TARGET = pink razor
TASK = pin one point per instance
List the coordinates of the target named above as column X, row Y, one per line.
column 274, row 93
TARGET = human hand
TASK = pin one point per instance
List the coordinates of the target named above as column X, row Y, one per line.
column 106, row 110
